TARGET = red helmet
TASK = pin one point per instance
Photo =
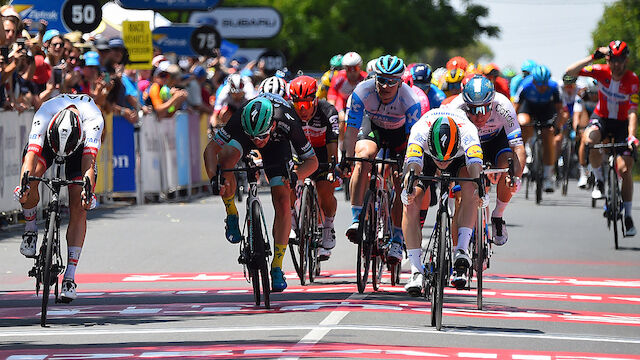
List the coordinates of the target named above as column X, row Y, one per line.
column 303, row 87
column 618, row 48
column 457, row 62
column 407, row 78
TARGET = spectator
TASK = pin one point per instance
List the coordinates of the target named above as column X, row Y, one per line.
column 102, row 45
column 194, row 89
column 165, row 99
column 119, row 53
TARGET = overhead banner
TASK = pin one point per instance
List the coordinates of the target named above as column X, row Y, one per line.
column 241, row 22
column 137, row 40
column 187, row 40
column 160, row 5
column 65, row 16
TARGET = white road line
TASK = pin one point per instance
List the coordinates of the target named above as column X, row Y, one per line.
column 316, row 334
column 239, row 329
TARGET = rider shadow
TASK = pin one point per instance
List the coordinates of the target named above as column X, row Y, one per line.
column 628, row 248
column 489, row 329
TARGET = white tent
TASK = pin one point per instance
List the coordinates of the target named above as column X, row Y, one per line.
column 113, row 15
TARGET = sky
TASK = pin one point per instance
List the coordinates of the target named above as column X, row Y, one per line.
column 555, row 33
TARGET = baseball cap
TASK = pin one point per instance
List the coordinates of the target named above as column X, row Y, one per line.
column 102, row 44
column 116, row 43
column 91, row 58
column 49, row 34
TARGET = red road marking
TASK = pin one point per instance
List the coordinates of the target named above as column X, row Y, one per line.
column 325, row 350
column 366, row 305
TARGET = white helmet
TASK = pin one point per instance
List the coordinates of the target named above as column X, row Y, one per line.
column 273, row 85
column 351, row 59
column 236, row 83
column 65, row 134
column 371, row 66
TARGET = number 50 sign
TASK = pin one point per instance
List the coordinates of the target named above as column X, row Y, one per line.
column 82, row 15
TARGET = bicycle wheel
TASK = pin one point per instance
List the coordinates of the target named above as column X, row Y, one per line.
column 538, row 169
column 566, row 169
column 480, row 255
column 347, row 191
column 367, row 235
column 258, row 262
column 47, row 263
column 306, row 231
column 437, row 295
column 316, row 237
column 614, row 206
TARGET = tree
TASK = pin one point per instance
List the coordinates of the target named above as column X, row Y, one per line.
column 620, row 21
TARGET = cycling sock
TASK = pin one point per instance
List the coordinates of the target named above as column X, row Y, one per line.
column 73, row 254
column 499, row 210
column 397, row 235
column 328, row 222
column 414, row 258
column 464, row 237
column 627, row 208
column 278, row 256
column 30, row 218
column 230, row 205
column 548, row 170
column 597, row 172
column 355, row 211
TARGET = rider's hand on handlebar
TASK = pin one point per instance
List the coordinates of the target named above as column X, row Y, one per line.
column 632, row 141
column 21, row 194
column 483, row 201
column 216, row 188
column 513, row 183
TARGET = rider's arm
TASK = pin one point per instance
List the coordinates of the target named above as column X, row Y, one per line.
column 574, row 69
column 355, row 112
column 302, row 146
column 332, row 134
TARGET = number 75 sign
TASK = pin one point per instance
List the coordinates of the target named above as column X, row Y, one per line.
column 187, row 40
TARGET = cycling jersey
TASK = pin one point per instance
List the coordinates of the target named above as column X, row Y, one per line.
column 436, row 96
column 341, row 88
column 568, row 99
column 615, row 98
column 469, row 147
column 514, row 85
column 403, row 110
column 90, row 116
column 530, row 93
column 503, row 117
column 422, row 97
column 224, row 98
column 322, row 128
column 579, row 104
column 325, row 83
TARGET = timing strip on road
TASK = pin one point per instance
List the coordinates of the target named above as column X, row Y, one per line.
column 365, row 305
column 325, row 350
column 342, row 288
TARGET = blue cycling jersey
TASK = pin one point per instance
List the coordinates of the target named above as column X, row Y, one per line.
column 436, row 96
column 515, row 84
column 529, row 92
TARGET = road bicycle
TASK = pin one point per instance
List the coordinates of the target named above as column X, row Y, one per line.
column 613, row 198
column 48, row 263
column 375, row 228
column 567, row 161
column 536, row 168
column 255, row 248
column 437, row 260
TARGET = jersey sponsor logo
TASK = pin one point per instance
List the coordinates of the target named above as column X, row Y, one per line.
column 285, row 126
column 356, row 107
column 475, row 151
column 34, row 136
column 635, row 99
column 588, row 68
column 414, row 150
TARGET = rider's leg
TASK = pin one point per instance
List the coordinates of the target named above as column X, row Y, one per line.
column 412, row 230
column 396, row 211
column 424, row 208
column 76, row 231
column 467, row 211
column 358, row 184
column 328, row 204
column 625, row 164
column 592, row 136
column 527, row 131
column 549, row 153
column 29, row 209
column 280, row 195
column 228, row 157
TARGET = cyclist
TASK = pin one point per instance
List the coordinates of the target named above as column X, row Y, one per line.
column 500, row 136
column 583, row 108
column 274, row 85
column 616, row 114
column 421, row 76
column 70, row 127
column 325, row 81
column 568, row 94
column 234, row 92
column 381, row 112
column 407, row 77
column 320, row 125
column 500, row 84
column 443, row 139
column 539, row 98
column 526, row 68
column 267, row 123
column 452, row 84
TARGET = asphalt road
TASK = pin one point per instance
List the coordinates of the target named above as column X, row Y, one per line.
column 160, row 281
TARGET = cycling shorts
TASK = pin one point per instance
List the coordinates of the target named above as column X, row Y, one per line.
column 323, row 170
column 612, row 127
column 72, row 164
column 276, row 158
column 494, row 147
column 541, row 114
column 393, row 139
column 430, row 168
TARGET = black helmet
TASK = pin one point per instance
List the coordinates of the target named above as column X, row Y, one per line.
column 65, row 132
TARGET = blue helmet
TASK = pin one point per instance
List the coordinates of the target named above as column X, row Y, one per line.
column 541, row 74
column 389, row 65
column 528, row 66
column 421, row 73
column 478, row 91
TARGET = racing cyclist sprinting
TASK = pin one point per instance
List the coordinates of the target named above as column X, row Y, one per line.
column 443, row 139
column 380, row 113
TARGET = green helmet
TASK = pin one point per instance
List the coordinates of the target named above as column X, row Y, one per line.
column 257, row 117
column 336, row 61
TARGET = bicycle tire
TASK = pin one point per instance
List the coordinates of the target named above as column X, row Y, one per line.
column 376, row 271
column 306, row 233
column 259, row 261
column 539, row 172
column 480, row 255
column 614, row 209
column 568, row 154
column 526, row 185
column 46, row 277
column 395, row 274
column 366, row 234
column 312, row 249
column 437, row 296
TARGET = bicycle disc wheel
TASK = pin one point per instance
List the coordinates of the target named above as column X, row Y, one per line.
column 259, row 261
column 614, row 209
column 437, row 296
column 47, row 274
column 367, row 235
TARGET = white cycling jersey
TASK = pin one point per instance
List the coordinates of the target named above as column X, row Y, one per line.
column 223, row 98
column 503, row 116
column 469, row 146
column 90, row 116
column 403, row 110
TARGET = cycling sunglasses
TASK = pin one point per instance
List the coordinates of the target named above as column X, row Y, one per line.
column 299, row 104
column 387, row 81
column 479, row 110
column 261, row 137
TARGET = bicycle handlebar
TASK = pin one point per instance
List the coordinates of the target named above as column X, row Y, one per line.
column 610, row 145
column 442, row 178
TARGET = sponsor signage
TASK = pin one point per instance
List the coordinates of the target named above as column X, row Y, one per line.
column 187, row 40
column 137, row 39
column 160, row 5
column 241, row 22
column 65, row 16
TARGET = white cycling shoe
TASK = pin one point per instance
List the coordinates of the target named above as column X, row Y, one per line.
column 500, row 235
column 323, row 254
column 68, row 292
column 548, row 185
column 28, row 245
column 598, row 190
column 583, row 181
column 414, row 286
column 328, row 238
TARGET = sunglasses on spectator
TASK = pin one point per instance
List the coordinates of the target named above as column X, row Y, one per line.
column 56, row 45
column 480, row 109
column 387, row 81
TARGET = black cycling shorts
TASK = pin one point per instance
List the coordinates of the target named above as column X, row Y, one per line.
column 541, row 114
column 276, row 158
column 430, row 168
column 618, row 129
column 73, row 162
column 393, row 139
column 322, row 171
column 494, row 147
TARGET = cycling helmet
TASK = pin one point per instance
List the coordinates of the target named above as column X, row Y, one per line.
column 335, row 62
column 478, row 91
column 303, row 87
column 407, row 78
column 421, row 73
column 371, row 66
column 528, row 66
column 453, row 81
column 569, row 79
column 351, row 59
column 236, row 85
column 65, row 132
column 257, row 117
column 457, row 62
column 444, row 139
column 273, row 85
column 541, row 74
column 389, row 65
column 618, row 48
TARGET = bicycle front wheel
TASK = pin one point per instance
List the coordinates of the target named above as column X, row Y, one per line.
column 47, row 276
column 306, row 229
column 614, row 203
column 259, row 271
column 367, row 235
column 538, row 170
column 437, row 295
column 479, row 247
